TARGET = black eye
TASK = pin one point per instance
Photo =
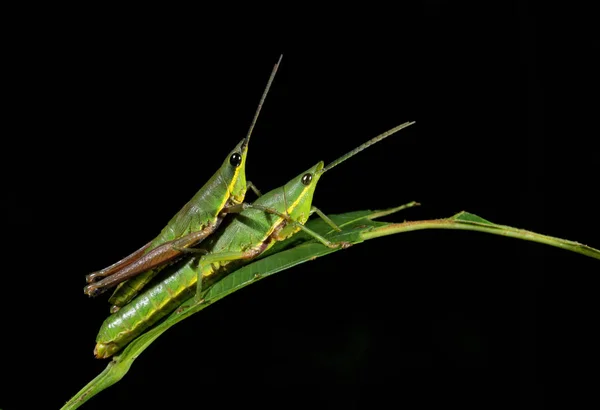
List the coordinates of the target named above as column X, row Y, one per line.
column 306, row 179
column 235, row 160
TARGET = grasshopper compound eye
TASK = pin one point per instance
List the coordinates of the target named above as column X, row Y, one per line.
column 235, row 160
column 307, row 179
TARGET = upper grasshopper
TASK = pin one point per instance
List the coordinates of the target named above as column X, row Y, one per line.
column 273, row 217
column 198, row 219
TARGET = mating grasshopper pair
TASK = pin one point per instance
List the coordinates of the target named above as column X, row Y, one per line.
column 273, row 217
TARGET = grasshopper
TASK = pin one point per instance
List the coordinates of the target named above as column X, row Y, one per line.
column 273, row 217
column 198, row 219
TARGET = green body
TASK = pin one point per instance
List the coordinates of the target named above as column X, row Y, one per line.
column 226, row 187
column 252, row 228
column 198, row 219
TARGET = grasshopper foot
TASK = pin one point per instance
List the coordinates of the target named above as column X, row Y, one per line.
column 92, row 290
column 91, row 278
column 342, row 245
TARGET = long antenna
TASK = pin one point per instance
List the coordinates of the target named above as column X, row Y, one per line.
column 366, row 145
column 262, row 99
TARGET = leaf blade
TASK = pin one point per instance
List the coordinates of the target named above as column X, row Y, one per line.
column 358, row 226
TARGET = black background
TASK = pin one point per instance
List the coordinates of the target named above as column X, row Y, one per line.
column 114, row 123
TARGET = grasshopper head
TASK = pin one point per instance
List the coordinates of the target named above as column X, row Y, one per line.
column 299, row 192
column 233, row 171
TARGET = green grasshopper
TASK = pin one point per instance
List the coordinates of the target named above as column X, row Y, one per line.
column 198, row 219
column 273, row 217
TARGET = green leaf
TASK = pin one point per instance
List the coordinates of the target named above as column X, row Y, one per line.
column 356, row 227
column 468, row 217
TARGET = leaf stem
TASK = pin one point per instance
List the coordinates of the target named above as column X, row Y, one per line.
column 451, row 223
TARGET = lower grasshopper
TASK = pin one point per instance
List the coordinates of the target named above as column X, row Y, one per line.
column 198, row 219
column 273, row 217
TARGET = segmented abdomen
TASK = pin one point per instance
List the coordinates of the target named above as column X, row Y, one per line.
column 145, row 310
